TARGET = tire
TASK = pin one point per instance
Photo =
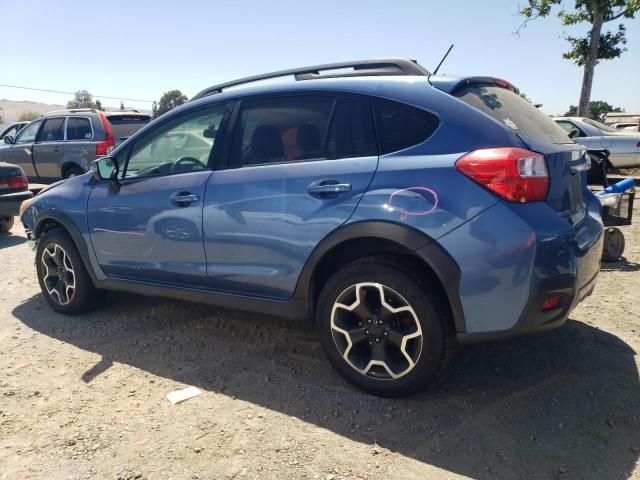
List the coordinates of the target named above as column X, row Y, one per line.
column 6, row 224
column 613, row 247
column 72, row 172
column 357, row 333
column 58, row 266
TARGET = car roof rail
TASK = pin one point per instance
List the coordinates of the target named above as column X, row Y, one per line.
column 360, row 68
column 72, row 110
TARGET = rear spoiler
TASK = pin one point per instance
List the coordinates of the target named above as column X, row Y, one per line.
column 451, row 85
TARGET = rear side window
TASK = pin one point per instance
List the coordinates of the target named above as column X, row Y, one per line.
column 352, row 133
column 52, row 130
column 281, row 129
column 79, row 128
column 123, row 126
column 401, row 126
column 514, row 112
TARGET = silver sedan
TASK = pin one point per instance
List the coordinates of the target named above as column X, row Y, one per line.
column 623, row 147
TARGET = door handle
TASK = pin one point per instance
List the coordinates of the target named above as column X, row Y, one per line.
column 326, row 188
column 184, row 198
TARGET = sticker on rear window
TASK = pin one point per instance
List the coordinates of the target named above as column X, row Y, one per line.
column 510, row 123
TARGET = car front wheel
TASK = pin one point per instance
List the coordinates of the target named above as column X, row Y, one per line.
column 63, row 278
column 384, row 329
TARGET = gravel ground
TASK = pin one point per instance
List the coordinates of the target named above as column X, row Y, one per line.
column 84, row 397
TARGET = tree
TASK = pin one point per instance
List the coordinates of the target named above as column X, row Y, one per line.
column 597, row 110
column 121, row 105
column 169, row 101
column 83, row 99
column 587, row 51
column 27, row 116
column 154, row 109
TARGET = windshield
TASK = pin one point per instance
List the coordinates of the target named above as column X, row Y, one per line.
column 600, row 126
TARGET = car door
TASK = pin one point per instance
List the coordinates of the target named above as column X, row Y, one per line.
column 150, row 229
column 296, row 168
column 21, row 152
column 48, row 149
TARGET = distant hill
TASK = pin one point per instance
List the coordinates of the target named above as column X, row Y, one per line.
column 10, row 110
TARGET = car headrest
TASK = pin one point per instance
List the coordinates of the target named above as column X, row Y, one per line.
column 308, row 137
column 266, row 143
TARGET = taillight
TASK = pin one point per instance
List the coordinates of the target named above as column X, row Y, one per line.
column 15, row 183
column 515, row 174
column 106, row 146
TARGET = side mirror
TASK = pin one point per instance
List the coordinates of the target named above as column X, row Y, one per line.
column 9, row 140
column 574, row 133
column 106, row 168
column 210, row 132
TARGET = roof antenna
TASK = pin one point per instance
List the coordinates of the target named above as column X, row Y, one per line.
column 443, row 59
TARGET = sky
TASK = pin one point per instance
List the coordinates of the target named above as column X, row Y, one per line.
column 138, row 49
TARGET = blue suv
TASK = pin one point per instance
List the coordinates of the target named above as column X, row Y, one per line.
column 400, row 211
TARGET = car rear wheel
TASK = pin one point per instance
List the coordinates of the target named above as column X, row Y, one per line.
column 6, row 224
column 63, row 278
column 383, row 328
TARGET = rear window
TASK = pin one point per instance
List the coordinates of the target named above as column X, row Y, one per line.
column 514, row 112
column 123, row 126
column 400, row 126
column 79, row 128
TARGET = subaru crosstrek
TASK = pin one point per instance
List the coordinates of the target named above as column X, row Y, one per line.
column 400, row 211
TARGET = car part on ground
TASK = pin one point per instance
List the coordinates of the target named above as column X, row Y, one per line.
column 398, row 210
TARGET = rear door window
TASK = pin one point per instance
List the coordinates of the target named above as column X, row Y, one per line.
column 79, row 128
column 52, row 130
column 352, row 133
column 401, row 126
column 514, row 112
column 123, row 126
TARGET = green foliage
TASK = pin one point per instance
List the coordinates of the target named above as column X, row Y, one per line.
column 83, row 99
column 584, row 11
column 169, row 101
column 27, row 116
column 611, row 46
column 598, row 109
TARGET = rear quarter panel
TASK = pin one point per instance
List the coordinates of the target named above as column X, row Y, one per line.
column 420, row 186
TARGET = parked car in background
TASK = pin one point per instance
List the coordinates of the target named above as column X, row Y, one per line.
column 397, row 210
column 625, row 126
column 623, row 147
column 12, row 129
column 618, row 119
column 63, row 143
column 14, row 189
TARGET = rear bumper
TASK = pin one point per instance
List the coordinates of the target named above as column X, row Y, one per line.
column 10, row 203
column 513, row 258
column 534, row 319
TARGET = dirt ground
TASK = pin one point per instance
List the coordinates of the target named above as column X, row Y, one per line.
column 84, row 397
